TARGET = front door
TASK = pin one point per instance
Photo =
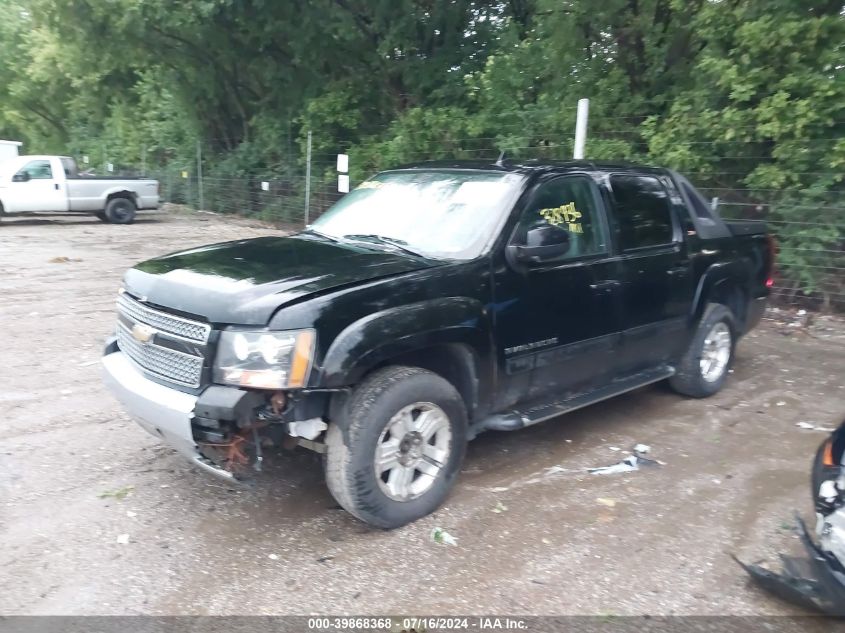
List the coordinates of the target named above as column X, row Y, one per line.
column 657, row 284
column 34, row 187
column 557, row 322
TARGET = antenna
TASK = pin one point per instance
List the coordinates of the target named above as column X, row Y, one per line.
column 500, row 162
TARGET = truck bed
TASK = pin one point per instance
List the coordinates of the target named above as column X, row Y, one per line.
column 746, row 227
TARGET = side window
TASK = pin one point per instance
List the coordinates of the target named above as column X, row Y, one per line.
column 69, row 166
column 37, row 170
column 569, row 203
column 642, row 211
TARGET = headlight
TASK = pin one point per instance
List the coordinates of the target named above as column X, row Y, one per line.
column 264, row 360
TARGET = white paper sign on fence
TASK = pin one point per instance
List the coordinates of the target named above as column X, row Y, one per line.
column 343, row 183
column 343, row 163
column 265, row 186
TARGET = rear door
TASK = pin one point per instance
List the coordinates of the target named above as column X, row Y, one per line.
column 37, row 186
column 557, row 323
column 656, row 271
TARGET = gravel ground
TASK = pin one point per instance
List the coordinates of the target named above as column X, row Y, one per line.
column 77, row 478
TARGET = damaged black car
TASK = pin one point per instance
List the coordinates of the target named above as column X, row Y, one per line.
column 817, row 582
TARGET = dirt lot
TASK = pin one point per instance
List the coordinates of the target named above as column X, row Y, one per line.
column 76, row 475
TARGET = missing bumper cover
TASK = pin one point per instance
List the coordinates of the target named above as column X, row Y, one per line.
column 226, row 403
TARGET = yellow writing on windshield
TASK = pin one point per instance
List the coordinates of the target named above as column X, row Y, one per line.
column 564, row 214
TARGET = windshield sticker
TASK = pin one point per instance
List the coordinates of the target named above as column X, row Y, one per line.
column 564, row 214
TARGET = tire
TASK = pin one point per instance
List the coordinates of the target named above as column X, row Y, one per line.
column 386, row 410
column 102, row 216
column 120, row 211
column 704, row 367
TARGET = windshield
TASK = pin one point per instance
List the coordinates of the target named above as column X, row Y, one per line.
column 444, row 214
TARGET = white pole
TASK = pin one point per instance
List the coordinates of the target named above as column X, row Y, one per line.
column 307, row 178
column 581, row 128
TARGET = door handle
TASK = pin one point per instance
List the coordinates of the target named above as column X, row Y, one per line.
column 56, row 185
column 677, row 271
column 604, row 286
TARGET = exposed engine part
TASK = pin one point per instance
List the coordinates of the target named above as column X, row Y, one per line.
column 317, row 447
column 232, row 452
column 277, row 402
column 259, row 458
column 307, row 429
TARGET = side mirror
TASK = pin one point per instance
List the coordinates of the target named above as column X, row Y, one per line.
column 21, row 177
column 542, row 243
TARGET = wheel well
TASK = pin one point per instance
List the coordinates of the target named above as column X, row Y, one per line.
column 453, row 362
column 731, row 295
column 128, row 195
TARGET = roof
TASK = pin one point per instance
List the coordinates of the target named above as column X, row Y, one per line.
column 18, row 143
column 533, row 166
column 42, row 156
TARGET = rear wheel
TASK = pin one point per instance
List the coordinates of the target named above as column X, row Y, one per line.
column 403, row 447
column 119, row 211
column 704, row 367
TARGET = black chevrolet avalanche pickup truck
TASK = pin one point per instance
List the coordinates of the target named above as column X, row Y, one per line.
column 433, row 303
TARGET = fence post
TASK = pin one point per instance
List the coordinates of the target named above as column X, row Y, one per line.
column 143, row 160
column 581, row 128
column 199, row 175
column 307, row 178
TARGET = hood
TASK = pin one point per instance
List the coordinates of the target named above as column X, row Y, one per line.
column 246, row 281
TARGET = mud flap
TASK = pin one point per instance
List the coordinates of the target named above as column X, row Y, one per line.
column 812, row 582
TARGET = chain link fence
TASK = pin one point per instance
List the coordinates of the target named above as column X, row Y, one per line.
column 810, row 230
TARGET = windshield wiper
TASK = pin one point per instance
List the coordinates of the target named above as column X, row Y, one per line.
column 310, row 231
column 401, row 245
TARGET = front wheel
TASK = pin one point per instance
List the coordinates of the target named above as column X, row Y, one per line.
column 403, row 447
column 704, row 367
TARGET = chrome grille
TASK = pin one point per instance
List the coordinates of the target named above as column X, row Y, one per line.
column 168, row 346
column 169, row 364
column 169, row 323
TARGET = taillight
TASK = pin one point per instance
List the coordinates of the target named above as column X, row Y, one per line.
column 773, row 249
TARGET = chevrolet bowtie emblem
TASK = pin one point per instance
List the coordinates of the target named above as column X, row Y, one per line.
column 142, row 333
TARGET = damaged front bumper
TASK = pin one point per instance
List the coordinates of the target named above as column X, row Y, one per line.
column 163, row 412
column 221, row 429
column 813, row 583
column 818, row 581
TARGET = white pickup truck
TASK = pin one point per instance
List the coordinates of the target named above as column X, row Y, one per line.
column 32, row 184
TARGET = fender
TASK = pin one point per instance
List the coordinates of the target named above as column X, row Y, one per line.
column 121, row 192
column 379, row 336
column 715, row 277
